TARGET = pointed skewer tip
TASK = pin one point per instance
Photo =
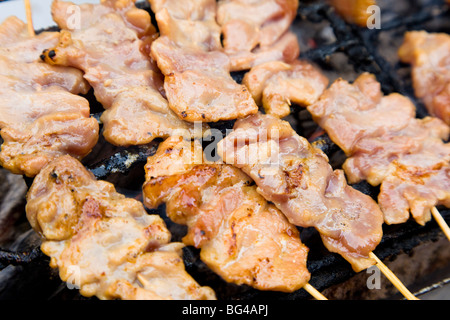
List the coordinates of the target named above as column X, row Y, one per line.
column 314, row 292
column 393, row 278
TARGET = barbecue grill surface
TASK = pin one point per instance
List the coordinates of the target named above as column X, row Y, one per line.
column 340, row 50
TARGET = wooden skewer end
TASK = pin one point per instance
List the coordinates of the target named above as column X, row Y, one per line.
column 441, row 222
column 29, row 18
column 393, row 278
column 314, row 292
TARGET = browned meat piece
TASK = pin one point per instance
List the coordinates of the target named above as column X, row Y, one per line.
column 269, row 19
column 197, row 83
column 298, row 179
column 415, row 188
column 188, row 23
column 429, row 55
column 47, row 128
column 387, row 145
column 111, row 47
column 242, row 237
column 19, row 59
column 255, row 32
column 275, row 85
column 348, row 112
column 41, row 117
column 372, row 157
column 104, row 243
column 354, row 11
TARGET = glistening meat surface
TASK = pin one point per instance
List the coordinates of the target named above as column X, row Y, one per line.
column 276, row 85
column 298, row 179
column 429, row 56
column 41, row 115
column 197, row 82
column 242, row 237
column 111, row 47
column 104, row 243
column 350, row 111
column 388, row 146
column 255, row 32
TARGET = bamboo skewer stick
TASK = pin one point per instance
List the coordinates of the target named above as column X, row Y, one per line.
column 314, row 292
column 29, row 18
column 441, row 222
column 393, row 278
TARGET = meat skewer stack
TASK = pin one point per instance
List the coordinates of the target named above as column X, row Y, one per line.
column 63, row 54
column 119, row 251
column 197, row 81
column 105, row 244
column 242, row 238
column 383, row 140
column 111, row 47
column 387, row 146
column 41, row 114
column 76, row 230
column 298, row 179
column 429, row 55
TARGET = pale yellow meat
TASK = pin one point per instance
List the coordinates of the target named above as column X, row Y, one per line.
column 255, row 32
column 111, row 46
column 41, row 114
column 103, row 243
column 197, row 83
column 276, row 85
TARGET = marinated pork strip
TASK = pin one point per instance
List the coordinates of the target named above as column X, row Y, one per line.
column 110, row 45
column 354, row 11
column 105, row 244
column 197, row 82
column 387, row 145
column 299, row 180
column 415, row 189
column 429, row 55
column 412, row 170
column 373, row 158
column 242, row 237
column 348, row 112
column 41, row 115
column 276, row 85
column 255, row 32
column 188, row 23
